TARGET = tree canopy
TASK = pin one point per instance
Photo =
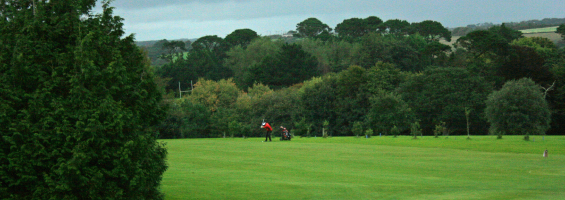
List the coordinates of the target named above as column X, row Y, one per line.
column 79, row 104
column 446, row 92
column 356, row 27
column 518, row 108
column 395, row 26
column 432, row 30
column 241, row 37
column 333, row 79
column 311, row 27
column 290, row 66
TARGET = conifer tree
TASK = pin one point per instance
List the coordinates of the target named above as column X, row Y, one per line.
column 78, row 105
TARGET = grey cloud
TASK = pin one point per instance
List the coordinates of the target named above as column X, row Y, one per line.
column 142, row 4
column 199, row 15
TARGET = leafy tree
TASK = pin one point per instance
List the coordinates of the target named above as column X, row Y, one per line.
column 311, row 27
column 357, row 129
column 441, row 94
column 281, row 107
column 432, row 30
column 213, row 44
column 215, row 95
column 525, row 62
column 195, row 120
column 333, row 55
column 440, row 129
column 507, row 33
column 173, row 49
column 155, row 52
column 561, row 31
column 247, row 110
column 484, row 42
column 395, row 26
column 325, row 125
column 388, row 110
column 373, row 23
column 171, row 126
column 385, row 76
column 235, row 129
column 369, row 132
column 240, row 60
column 400, row 51
column 196, row 64
column 494, row 42
column 180, row 71
column 241, row 37
column 518, row 108
column 555, row 92
column 435, row 49
column 324, row 36
column 219, row 97
column 79, row 104
column 354, row 27
column 543, row 46
column 352, row 98
column 209, row 42
column 319, row 101
column 290, row 66
column 302, row 127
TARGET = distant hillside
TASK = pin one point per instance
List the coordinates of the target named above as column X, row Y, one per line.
column 154, row 49
column 555, row 37
column 530, row 24
column 150, row 43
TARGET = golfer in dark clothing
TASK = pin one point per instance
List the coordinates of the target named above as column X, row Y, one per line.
column 267, row 127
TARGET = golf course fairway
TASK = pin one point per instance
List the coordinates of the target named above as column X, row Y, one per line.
column 453, row 167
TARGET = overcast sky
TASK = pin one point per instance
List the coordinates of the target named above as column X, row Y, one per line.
column 175, row 19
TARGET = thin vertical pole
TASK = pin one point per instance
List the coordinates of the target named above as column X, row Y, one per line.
column 180, row 92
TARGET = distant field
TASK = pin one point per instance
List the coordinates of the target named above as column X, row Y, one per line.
column 551, row 36
column 555, row 37
column 541, row 30
column 359, row 168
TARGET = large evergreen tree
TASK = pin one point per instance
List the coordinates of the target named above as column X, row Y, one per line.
column 78, row 102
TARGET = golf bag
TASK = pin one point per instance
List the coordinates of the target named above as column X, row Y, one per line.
column 285, row 135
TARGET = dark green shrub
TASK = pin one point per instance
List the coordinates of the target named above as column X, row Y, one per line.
column 79, row 106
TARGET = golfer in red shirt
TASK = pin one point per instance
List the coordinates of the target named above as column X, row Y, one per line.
column 267, row 127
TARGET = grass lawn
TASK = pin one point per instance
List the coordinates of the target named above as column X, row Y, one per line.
column 358, row 168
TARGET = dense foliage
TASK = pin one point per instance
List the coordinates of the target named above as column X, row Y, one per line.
column 518, row 108
column 367, row 75
column 78, row 105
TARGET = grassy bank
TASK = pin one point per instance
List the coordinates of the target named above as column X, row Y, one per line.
column 359, row 168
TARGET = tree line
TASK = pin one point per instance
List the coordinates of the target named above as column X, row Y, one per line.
column 367, row 74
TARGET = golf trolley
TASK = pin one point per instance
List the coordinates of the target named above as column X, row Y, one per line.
column 285, row 135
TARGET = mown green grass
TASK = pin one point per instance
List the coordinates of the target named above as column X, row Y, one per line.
column 358, row 168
